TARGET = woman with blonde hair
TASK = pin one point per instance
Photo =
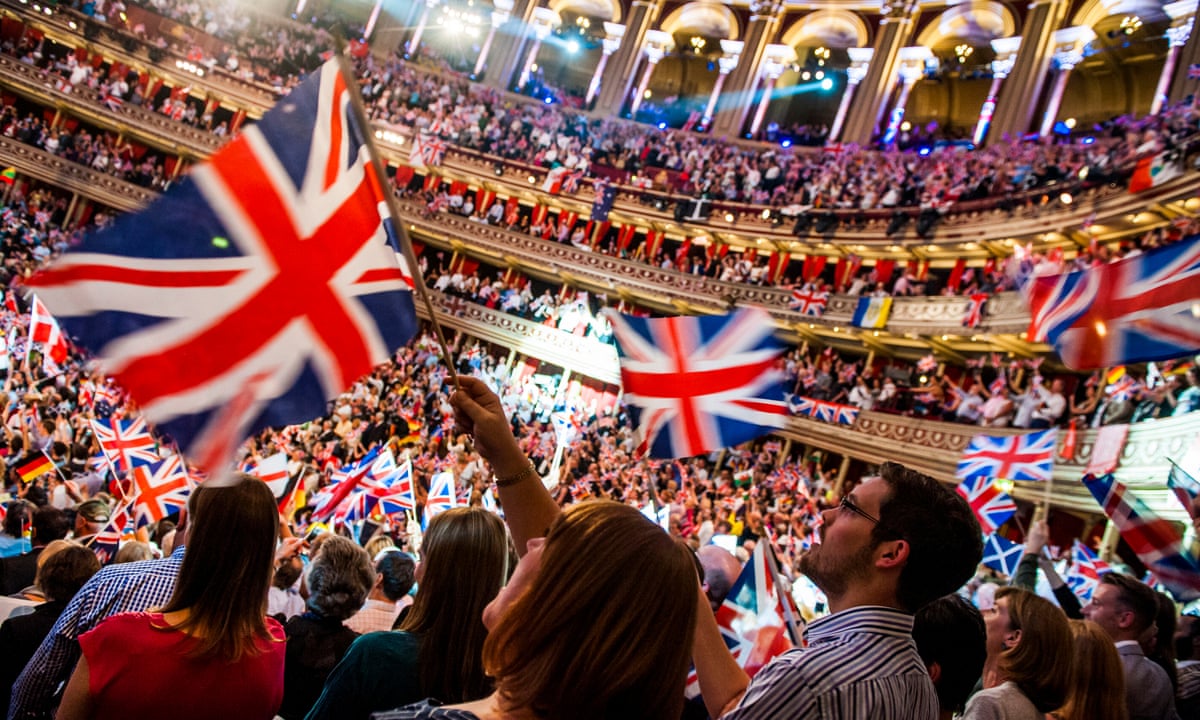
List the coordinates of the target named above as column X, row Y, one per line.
column 1096, row 690
column 597, row 620
column 1028, row 665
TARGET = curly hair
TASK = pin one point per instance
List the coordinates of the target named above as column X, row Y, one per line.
column 340, row 578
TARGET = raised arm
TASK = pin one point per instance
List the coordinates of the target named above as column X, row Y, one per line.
column 528, row 508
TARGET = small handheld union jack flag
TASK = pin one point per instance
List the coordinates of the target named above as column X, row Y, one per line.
column 991, row 506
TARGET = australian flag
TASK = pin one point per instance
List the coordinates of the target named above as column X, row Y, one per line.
column 602, row 206
column 277, row 260
column 698, row 384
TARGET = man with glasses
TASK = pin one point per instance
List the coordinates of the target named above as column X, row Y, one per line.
column 895, row 543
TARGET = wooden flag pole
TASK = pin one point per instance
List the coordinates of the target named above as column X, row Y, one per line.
column 405, row 242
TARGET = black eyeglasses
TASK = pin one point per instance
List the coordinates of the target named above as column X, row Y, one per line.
column 848, row 505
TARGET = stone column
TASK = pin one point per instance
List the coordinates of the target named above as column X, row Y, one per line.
column 507, row 52
column 1016, row 103
column 1067, row 54
column 621, row 66
column 544, row 20
column 860, row 59
column 498, row 18
column 613, row 32
column 912, row 66
column 734, row 105
column 414, row 43
column 775, row 59
column 1006, row 56
column 1177, row 37
column 658, row 44
column 730, row 49
column 876, row 87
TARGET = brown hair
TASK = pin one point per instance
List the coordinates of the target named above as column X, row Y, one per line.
column 604, row 630
column 1040, row 664
column 227, row 568
column 1097, row 685
column 465, row 562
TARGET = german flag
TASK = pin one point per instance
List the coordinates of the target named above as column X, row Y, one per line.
column 35, row 467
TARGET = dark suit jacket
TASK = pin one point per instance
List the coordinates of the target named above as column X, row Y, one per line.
column 1148, row 691
column 17, row 573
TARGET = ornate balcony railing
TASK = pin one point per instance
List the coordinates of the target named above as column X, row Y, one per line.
column 89, row 183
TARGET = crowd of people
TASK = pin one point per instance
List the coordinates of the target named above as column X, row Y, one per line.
column 479, row 118
column 598, row 588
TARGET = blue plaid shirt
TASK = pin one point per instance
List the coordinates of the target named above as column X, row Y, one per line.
column 129, row 587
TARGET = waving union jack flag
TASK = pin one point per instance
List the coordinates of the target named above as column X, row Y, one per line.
column 697, row 384
column 106, row 542
column 441, row 497
column 126, row 443
column 160, row 490
column 1012, row 457
column 1129, row 311
column 975, row 306
column 991, row 506
column 1083, row 577
column 1156, row 541
column 344, row 482
column 281, row 262
column 809, row 301
column 398, row 495
column 757, row 620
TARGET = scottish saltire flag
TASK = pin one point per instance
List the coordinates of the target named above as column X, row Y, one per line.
column 1155, row 541
column 126, row 443
column 809, row 301
column 1013, row 457
column 872, row 312
column 282, row 262
column 1185, row 487
column 440, row 498
column 754, row 618
column 1132, row 310
column 656, row 513
column 991, row 506
column 697, row 384
column 826, row 411
column 1002, row 554
column 1083, row 577
column 159, row 490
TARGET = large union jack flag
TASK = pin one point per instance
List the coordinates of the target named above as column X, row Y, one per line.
column 126, row 443
column 277, row 259
column 1083, row 577
column 1156, row 541
column 1012, row 457
column 991, row 506
column 809, row 301
column 697, row 384
column 1133, row 310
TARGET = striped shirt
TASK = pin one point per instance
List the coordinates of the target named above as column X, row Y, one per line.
column 128, row 587
column 859, row 663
